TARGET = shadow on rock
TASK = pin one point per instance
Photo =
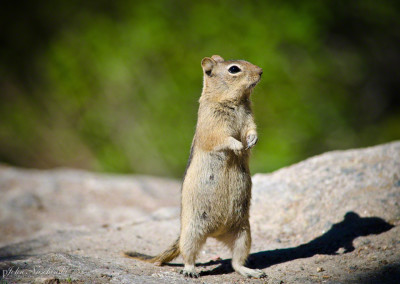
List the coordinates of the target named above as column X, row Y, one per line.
column 36, row 246
column 340, row 235
column 389, row 274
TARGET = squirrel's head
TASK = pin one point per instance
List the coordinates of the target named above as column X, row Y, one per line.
column 233, row 77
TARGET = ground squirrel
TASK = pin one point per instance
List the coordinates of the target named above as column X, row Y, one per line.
column 216, row 189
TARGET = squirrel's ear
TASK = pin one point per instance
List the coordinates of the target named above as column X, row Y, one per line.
column 208, row 64
column 217, row 58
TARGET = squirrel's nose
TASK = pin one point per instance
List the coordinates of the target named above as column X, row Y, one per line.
column 260, row 72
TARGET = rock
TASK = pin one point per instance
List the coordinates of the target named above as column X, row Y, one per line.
column 34, row 200
column 339, row 210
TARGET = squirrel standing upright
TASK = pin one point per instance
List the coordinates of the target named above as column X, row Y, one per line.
column 216, row 189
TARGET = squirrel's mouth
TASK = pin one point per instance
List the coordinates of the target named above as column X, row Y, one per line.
column 255, row 83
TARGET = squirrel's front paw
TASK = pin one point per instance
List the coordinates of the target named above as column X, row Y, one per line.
column 236, row 146
column 251, row 140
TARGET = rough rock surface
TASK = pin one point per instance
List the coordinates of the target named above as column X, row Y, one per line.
column 333, row 218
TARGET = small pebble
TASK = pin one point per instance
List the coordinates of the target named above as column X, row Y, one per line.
column 320, row 269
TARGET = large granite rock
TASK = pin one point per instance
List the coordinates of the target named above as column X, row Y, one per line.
column 333, row 218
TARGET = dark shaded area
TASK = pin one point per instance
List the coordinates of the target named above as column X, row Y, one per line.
column 389, row 274
column 29, row 27
column 22, row 250
column 341, row 235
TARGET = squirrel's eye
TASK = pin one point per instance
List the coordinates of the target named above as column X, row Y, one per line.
column 234, row 69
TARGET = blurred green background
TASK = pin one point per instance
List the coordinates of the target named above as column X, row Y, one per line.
column 113, row 85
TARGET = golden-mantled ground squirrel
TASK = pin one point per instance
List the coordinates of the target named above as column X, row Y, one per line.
column 216, row 189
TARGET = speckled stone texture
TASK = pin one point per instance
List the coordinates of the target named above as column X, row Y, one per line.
column 333, row 218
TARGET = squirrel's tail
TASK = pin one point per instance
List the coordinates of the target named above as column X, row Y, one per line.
column 171, row 253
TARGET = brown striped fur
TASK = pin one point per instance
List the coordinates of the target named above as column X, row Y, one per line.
column 216, row 189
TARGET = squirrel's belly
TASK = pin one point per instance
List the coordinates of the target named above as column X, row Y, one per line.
column 217, row 188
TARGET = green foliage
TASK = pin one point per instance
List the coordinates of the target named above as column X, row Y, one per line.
column 114, row 86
